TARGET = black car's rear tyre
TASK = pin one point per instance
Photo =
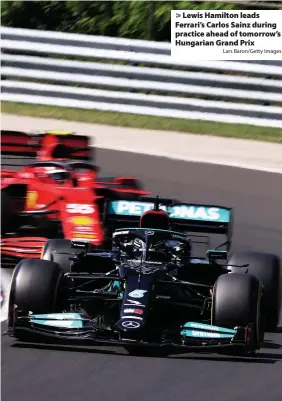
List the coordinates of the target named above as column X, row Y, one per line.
column 35, row 288
column 58, row 251
column 237, row 302
column 267, row 268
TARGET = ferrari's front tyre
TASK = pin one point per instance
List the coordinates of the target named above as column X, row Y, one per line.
column 35, row 287
column 237, row 301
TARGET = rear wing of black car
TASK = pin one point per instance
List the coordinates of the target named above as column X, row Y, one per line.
column 17, row 143
column 184, row 217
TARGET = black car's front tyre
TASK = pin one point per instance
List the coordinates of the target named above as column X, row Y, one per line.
column 35, row 288
column 266, row 267
column 237, row 300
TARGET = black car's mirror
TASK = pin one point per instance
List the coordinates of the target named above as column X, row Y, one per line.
column 214, row 255
column 83, row 245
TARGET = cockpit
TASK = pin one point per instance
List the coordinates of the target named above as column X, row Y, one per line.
column 154, row 246
column 62, row 172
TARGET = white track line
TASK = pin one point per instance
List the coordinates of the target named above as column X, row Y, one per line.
column 5, row 287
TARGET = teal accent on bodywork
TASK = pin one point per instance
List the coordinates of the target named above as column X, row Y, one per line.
column 183, row 212
column 208, row 327
column 116, row 287
column 204, row 334
column 62, row 320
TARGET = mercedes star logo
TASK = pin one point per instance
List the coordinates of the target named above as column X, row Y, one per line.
column 129, row 324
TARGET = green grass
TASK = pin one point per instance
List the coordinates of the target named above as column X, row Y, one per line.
column 147, row 122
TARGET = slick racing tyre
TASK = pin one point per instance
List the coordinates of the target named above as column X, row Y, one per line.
column 59, row 251
column 237, row 302
column 267, row 268
column 35, row 288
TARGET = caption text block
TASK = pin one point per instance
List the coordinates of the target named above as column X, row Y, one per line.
column 226, row 35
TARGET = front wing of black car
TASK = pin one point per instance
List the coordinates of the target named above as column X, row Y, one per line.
column 80, row 329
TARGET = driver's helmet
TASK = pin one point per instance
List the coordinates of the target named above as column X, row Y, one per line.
column 155, row 219
column 58, row 175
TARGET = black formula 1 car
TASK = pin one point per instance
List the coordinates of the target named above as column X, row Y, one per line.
column 149, row 290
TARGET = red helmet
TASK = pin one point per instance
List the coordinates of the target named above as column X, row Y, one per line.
column 155, row 219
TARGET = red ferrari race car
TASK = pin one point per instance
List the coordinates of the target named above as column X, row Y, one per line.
column 56, row 195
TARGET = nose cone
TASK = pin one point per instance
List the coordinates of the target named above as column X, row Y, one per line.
column 134, row 309
column 131, row 324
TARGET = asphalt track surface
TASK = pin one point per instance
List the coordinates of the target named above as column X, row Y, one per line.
column 103, row 374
